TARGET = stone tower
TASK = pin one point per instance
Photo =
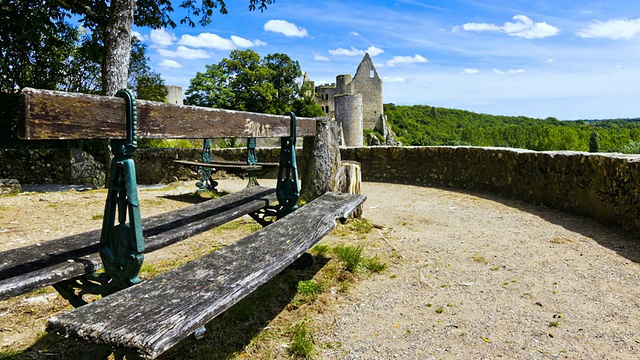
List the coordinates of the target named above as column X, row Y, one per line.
column 367, row 83
column 174, row 94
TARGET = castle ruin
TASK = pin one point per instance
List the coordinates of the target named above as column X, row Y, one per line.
column 356, row 103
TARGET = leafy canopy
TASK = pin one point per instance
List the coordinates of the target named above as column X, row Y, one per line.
column 246, row 82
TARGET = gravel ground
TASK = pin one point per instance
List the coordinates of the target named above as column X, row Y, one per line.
column 471, row 276
column 474, row 276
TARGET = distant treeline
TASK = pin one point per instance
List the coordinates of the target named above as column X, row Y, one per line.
column 422, row 125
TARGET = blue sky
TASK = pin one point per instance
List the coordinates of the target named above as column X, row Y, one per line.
column 567, row 59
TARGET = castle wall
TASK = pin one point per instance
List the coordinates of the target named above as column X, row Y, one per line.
column 368, row 83
column 605, row 187
column 324, row 97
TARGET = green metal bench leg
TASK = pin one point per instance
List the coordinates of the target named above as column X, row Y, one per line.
column 206, row 183
column 252, row 159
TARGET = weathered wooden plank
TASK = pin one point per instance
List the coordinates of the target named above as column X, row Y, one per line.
column 28, row 268
column 220, row 166
column 51, row 114
column 149, row 318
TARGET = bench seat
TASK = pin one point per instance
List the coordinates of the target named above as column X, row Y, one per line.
column 31, row 267
column 149, row 318
column 225, row 164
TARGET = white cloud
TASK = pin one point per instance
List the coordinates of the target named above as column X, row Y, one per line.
column 184, row 52
column 470, row 71
column 346, row 52
column 612, row 29
column 523, row 27
column 244, row 43
column 207, row 40
column 161, row 37
column 406, row 60
column 138, row 36
column 511, row 71
column 394, row 79
column 371, row 50
column 285, row 28
column 354, row 33
column 374, row 51
column 170, row 64
column 551, row 60
column 213, row 41
column 319, row 57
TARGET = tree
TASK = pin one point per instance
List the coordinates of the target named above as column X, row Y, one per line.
column 146, row 83
column 594, row 142
column 244, row 81
column 112, row 21
column 35, row 42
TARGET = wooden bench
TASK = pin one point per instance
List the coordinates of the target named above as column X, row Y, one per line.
column 251, row 168
column 144, row 319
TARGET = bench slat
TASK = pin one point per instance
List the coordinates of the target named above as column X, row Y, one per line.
column 28, row 268
column 49, row 114
column 149, row 318
column 221, row 166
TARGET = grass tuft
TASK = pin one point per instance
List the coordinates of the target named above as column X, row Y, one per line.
column 374, row 265
column 350, row 256
column 321, row 250
column 302, row 341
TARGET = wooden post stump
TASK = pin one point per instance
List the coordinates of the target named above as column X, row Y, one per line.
column 349, row 181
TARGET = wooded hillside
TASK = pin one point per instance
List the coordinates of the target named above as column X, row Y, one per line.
column 427, row 125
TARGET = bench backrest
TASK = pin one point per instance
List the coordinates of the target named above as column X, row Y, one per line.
column 48, row 114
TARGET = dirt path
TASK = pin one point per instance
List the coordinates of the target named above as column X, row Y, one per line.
column 485, row 278
column 471, row 276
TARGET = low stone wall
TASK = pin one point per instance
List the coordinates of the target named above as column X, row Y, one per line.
column 55, row 166
column 601, row 186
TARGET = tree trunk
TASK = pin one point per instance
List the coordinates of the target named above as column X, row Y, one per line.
column 117, row 46
column 115, row 66
column 322, row 160
column 349, row 181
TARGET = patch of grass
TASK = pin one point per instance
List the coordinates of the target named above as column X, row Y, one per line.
column 554, row 324
column 350, row 256
column 374, row 264
column 357, row 227
column 321, row 250
column 7, row 354
column 308, row 291
column 439, row 310
column 494, row 268
column 302, row 343
column 360, row 226
column 97, row 217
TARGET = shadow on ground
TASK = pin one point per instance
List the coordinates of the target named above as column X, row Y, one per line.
column 623, row 242
column 225, row 336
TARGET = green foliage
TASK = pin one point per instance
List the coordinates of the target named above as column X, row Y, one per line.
column 594, row 142
column 350, row 256
column 374, row 265
column 422, row 125
column 246, row 82
column 321, row 249
column 302, row 344
column 308, row 291
column 306, row 107
column 169, row 144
